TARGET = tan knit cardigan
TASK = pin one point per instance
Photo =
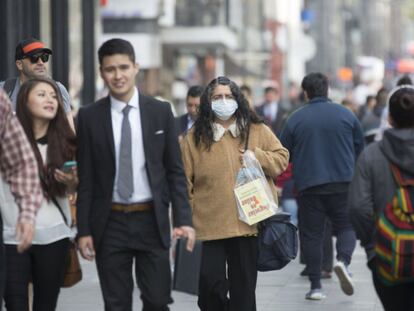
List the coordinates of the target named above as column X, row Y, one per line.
column 211, row 176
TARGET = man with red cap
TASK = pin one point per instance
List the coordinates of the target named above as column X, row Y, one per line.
column 31, row 61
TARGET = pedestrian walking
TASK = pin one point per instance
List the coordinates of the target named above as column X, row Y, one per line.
column 40, row 111
column 374, row 186
column 130, row 169
column 272, row 110
column 212, row 152
column 324, row 140
column 186, row 121
column 20, row 176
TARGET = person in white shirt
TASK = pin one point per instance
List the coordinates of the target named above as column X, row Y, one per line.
column 40, row 111
column 186, row 121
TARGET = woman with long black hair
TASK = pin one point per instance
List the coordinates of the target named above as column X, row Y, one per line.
column 41, row 113
column 212, row 153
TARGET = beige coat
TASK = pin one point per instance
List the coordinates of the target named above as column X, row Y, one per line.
column 211, row 177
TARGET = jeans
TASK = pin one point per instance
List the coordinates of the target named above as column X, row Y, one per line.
column 291, row 206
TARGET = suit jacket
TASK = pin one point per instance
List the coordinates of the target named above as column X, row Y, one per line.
column 96, row 167
column 277, row 124
column 182, row 123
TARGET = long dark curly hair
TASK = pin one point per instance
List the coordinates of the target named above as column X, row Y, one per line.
column 61, row 139
column 203, row 130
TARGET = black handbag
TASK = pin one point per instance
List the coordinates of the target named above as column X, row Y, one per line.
column 278, row 242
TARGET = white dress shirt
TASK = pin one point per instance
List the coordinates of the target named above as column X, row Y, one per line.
column 190, row 122
column 142, row 191
column 270, row 111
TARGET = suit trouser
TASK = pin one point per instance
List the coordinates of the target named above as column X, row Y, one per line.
column 238, row 278
column 130, row 237
column 314, row 211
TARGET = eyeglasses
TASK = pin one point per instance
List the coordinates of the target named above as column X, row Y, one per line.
column 35, row 58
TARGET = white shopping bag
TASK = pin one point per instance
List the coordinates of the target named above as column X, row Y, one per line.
column 254, row 197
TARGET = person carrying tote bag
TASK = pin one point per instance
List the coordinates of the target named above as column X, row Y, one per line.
column 212, row 154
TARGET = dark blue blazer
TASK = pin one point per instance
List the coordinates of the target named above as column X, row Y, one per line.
column 181, row 124
column 277, row 124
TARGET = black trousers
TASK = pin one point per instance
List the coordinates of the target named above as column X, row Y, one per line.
column 2, row 265
column 315, row 209
column 327, row 252
column 394, row 298
column 129, row 237
column 44, row 265
column 228, row 266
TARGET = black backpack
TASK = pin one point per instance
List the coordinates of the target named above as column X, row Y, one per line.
column 278, row 242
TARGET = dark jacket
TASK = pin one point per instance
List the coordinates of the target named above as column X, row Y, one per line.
column 277, row 124
column 370, row 125
column 324, row 140
column 373, row 185
column 96, row 167
column 181, row 124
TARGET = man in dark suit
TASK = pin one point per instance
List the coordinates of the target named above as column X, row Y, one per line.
column 130, row 169
column 186, row 121
column 272, row 112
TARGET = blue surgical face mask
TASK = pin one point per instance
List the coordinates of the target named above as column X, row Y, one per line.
column 224, row 108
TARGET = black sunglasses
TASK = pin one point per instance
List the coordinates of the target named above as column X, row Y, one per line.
column 35, row 58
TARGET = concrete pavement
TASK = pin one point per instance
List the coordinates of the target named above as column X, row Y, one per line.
column 281, row 290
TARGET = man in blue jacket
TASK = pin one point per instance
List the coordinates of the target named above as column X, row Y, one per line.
column 324, row 140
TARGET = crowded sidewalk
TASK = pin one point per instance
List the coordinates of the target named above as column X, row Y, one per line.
column 280, row 290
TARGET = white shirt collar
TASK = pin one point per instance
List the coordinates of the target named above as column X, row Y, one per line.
column 118, row 105
column 219, row 131
column 190, row 122
column 270, row 110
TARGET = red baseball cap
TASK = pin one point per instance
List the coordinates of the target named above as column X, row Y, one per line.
column 28, row 47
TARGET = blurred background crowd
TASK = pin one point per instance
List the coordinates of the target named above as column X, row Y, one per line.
column 363, row 46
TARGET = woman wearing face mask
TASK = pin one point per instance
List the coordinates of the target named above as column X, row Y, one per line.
column 40, row 111
column 212, row 153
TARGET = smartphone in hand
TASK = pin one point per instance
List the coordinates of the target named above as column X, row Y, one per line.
column 67, row 166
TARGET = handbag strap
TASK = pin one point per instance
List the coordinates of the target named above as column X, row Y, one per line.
column 246, row 144
column 65, row 219
column 60, row 210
